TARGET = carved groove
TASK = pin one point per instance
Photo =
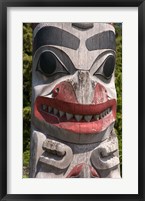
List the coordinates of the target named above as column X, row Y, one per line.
column 104, row 157
column 62, row 154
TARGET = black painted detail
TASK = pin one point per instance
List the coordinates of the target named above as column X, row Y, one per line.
column 54, row 63
column 104, row 40
column 49, row 65
column 107, row 68
column 55, row 36
column 64, row 58
column 83, row 26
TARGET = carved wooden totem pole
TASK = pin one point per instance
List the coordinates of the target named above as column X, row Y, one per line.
column 74, row 101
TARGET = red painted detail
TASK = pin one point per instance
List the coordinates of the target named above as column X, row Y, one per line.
column 75, row 172
column 55, row 92
column 74, row 108
column 100, row 94
column 64, row 99
column 93, row 172
column 81, row 127
column 65, row 92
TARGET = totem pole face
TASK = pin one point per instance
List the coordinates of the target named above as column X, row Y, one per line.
column 74, row 96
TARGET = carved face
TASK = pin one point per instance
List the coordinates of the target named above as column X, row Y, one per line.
column 74, row 94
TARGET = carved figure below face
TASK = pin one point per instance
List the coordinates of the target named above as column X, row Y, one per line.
column 74, row 101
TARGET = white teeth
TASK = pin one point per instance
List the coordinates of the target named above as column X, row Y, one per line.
column 61, row 113
column 88, row 117
column 44, row 107
column 96, row 117
column 78, row 117
column 69, row 116
column 101, row 115
column 104, row 113
column 49, row 109
column 55, row 111
column 109, row 110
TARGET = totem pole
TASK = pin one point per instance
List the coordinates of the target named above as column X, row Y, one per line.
column 74, row 101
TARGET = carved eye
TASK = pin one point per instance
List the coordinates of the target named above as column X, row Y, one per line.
column 107, row 68
column 50, row 65
column 47, row 63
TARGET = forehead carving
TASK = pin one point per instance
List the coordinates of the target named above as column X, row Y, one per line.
column 48, row 36
column 104, row 40
column 55, row 36
column 82, row 42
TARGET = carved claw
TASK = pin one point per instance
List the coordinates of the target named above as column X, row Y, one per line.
column 103, row 157
column 56, row 154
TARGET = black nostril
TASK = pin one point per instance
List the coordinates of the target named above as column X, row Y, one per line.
column 55, row 92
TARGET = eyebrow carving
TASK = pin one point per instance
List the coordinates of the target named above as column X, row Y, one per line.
column 104, row 40
column 55, row 36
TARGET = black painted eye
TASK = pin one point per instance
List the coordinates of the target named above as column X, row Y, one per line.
column 47, row 63
column 108, row 67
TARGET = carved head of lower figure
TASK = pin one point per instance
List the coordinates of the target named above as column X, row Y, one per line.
column 74, row 101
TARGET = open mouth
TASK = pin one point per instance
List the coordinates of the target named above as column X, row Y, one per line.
column 78, row 118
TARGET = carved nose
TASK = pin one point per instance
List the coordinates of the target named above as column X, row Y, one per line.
column 84, row 88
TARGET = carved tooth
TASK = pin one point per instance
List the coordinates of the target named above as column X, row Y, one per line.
column 78, row 117
column 61, row 113
column 88, row 118
column 55, row 111
column 44, row 107
column 101, row 116
column 49, row 109
column 96, row 117
column 69, row 116
column 109, row 110
column 104, row 113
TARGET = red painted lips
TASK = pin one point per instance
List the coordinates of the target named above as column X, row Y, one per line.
column 78, row 118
